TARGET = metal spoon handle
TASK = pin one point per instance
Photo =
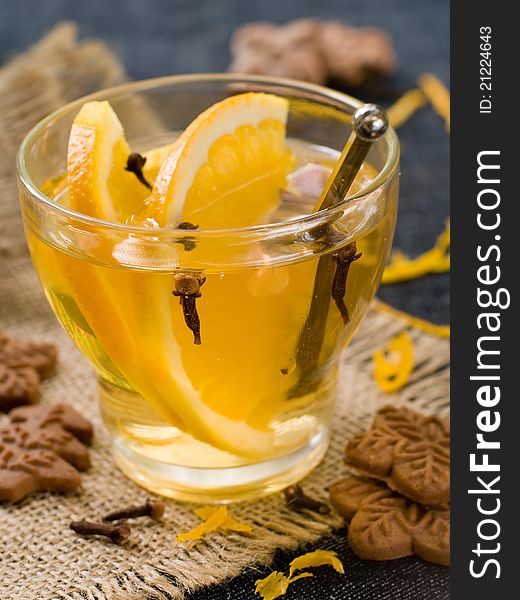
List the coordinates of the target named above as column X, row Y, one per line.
column 369, row 123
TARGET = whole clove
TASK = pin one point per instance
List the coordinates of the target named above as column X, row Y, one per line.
column 298, row 500
column 187, row 242
column 151, row 508
column 187, row 288
column 135, row 164
column 187, row 225
column 343, row 259
column 118, row 533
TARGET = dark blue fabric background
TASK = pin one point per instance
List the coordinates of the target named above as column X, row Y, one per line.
column 159, row 37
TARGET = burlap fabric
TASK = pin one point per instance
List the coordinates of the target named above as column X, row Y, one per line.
column 40, row 558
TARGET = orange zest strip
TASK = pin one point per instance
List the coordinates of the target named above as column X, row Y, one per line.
column 214, row 518
column 229, row 523
column 438, row 95
column 211, row 524
column 276, row 583
column 437, row 260
column 317, row 558
column 394, row 364
column 442, row 331
column 405, row 107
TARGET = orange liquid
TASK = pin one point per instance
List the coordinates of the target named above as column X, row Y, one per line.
column 224, row 402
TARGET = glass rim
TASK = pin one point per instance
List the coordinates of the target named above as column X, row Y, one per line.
column 300, row 222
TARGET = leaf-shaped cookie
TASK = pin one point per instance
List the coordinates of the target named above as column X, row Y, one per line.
column 410, row 452
column 401, row 420
column 423, row 471
column 373, row 451
column 347, row 495
column 385, row 525
column 379, row 531
column 432, row 537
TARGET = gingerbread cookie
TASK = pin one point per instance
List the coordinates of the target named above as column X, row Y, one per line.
column 290, row 50
column 22, row 366
column 18, row 387
column 386, row 526
column 43, row 448
column 409, row 451
column 40, row 356
column 313, row 50
column 355, row 56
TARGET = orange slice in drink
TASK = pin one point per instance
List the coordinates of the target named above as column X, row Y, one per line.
column 98, row 184
column 227, row 168
column 154, row 161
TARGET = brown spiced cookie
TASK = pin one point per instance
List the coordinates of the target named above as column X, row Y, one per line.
column 313, row 50
column 409, row 451
column 18, row 387
column 355, row 56
column 43, row 448
column 40, row 356
column 22, row 366
column 385, row 525
column 290, row 50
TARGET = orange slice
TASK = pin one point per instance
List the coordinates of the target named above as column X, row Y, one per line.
column 133, row 313
column 227, row 168
column 154, row 161
column 97, row 182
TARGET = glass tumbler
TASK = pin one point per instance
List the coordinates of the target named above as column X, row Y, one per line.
column 247, row 410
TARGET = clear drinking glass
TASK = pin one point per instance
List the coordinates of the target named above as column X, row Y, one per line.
column 247, row 411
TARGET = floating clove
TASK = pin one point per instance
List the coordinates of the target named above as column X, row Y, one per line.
column 135, row 164
column 187, row 242
column 343, row 259
column 187, row 288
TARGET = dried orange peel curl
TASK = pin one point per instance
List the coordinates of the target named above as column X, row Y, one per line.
column 318, row 558
column 394, row 364
column 431, row 90
column 437, row 94
column 405, row 107
column 213, row 518
column 442, row 331
column 276, row 583
column 437, row 260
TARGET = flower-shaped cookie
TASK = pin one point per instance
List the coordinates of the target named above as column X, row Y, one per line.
column 409, row 451
column 22, row 366
column 43, row 448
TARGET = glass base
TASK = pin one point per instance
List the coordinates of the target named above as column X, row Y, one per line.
column 220, row 485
